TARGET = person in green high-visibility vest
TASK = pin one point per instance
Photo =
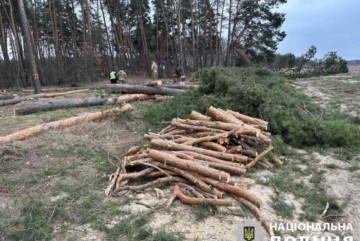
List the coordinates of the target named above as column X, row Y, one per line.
column 113, row 77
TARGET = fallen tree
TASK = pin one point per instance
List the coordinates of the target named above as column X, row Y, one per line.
column 140, row 89
column 6, row 96
column 33, row 107
column 35, row 130
column 19, row 99
column 35, row 96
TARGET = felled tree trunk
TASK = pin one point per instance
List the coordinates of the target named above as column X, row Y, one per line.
column 176, row 86
column 35, row 130
column 35, row 96
column 19, row 99
column 154, row 83
column 6, row 97
column 29, row 108
column 133, row 97
column 140, row 89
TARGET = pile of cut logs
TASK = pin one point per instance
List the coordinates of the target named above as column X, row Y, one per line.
column 199, row 156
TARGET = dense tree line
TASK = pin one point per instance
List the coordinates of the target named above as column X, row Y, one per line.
column 82, row 40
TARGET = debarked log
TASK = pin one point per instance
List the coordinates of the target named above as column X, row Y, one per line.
column 26, row 133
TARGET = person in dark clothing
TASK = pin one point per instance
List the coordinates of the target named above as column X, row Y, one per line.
column 178, row 71
column 113, row 77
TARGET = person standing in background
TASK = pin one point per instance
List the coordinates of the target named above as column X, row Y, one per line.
column 122, row 76
column 154, row 71
column 113, row 77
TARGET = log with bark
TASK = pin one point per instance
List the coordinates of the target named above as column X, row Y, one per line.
column 33, row 107
column 35, row 96
column 140, row 89
column 6, row 96
column 35, row 130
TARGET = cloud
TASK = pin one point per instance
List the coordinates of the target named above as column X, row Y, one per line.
column 330, row 25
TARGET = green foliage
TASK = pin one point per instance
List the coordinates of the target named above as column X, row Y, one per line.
column 258, row 92
column 282, row 208
column 334, row 64
column 132, row 228
column 164, row 236
column 35, row 224
column 283, row 61
column 202, row 212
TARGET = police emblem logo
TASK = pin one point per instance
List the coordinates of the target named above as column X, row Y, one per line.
column 249, row 233
column 249, row 230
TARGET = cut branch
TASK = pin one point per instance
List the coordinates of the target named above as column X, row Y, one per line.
column 188, row 165
column 200, row 201
column 181, row 147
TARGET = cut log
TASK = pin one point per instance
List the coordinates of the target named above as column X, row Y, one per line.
column 133, row 97
column 191, row 128
column 205, row 139
column 192, row 190
column 26, row 133
column 35, row 96
column 154, row 83
column 133, row 175
column 198, row 116
column 213, row 159
column 213, row 146
column 111, row 185
column 33, row 107
column 140, row 89
column 197, row 182
column 6, row 97
column 258, row 157
column 159, row 98
column 52, row 95
column 19, row 99
column 234, row 190
column 156, row 174
column 227, row 168
column 200, row 201
column 181, row 147
column 188, row 165
column 211, row 124
column 220, row 115
column 153, row 183
column 54, row 89
column 248, row 119
column 176, row 86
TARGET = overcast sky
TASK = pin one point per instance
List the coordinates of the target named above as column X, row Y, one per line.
column 330, row 25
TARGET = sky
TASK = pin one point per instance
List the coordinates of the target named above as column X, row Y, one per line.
column 330, row 25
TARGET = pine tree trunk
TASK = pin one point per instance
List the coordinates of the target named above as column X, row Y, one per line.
column 26, row 30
